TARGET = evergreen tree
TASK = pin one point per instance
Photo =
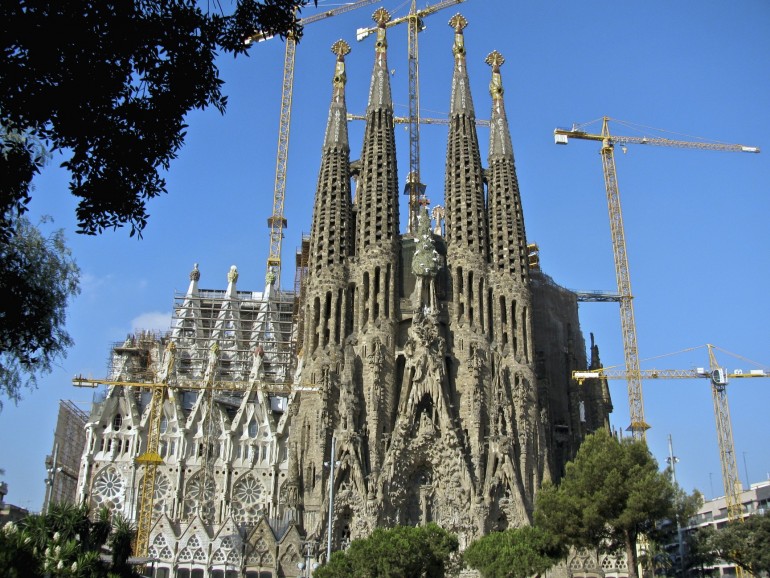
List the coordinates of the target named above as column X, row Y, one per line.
column 400, row 552
column 745, row 543
column 516, row 553
column 611, row 495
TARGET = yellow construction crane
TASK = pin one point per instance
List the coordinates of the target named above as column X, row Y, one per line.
column 277, row 222
column 150, row 458
column 628, row 326
column 414, row 188
column 719, row 378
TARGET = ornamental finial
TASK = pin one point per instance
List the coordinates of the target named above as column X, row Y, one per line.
column 195, row 274
column 495, row 60
column 458, row 22
column 232, row 275
column 381, row 17
column 341, row 48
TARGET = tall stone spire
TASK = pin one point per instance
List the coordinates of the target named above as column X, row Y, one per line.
column 464, row 187
column 377, row 193
column 507, row 240
column 331, row 229
column 331, row 234
column 327, row 309
column 378, row 245
column 510, row 296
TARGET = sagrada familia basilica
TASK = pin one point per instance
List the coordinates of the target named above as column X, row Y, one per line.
column 411, row 377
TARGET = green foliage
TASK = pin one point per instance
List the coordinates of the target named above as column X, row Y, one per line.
column 517, row 553
column 65, row 542
column 401, row 552
column 611, row 494
column 37, row 277
column 744, row 544
column 114, row 92
column 698, row 552
column 17, row 559
column 120, row 544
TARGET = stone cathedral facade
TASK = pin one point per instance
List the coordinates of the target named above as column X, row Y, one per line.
column 431, row 368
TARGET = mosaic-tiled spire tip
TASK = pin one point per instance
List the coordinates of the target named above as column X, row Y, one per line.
column 381, row 17
column 495, row 60
column 341, row 48
column 458, row 22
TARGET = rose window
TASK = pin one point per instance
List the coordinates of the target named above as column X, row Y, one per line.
column 248, row 499
column 109, row 489
column 160, row 493
column 200, row 497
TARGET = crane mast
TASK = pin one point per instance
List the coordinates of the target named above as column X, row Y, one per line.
column 730, row 477
column 414, row 188
column 277, row 222
column 623, row 277
column 638, row 425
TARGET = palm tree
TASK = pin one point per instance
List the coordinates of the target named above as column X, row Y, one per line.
column 123, row 534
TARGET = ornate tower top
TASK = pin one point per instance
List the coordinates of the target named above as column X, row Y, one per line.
column 495, row 60
column 466, row 232
column 340, row 48
column 195, row 276
column 458, row 22
column 508, row 242
column 377, row 194
column 381, row 17
column 461, row 102
column 500, row 137
column 331, row 229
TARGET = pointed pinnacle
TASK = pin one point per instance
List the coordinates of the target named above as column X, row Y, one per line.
column 495, row 59
column 381, row 16
column 341, row 48
column 458, row 22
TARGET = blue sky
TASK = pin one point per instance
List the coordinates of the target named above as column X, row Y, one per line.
column 696, row 221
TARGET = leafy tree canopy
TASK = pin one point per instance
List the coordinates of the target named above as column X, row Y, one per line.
column 110, row 83
column 699, row 556
column 400, row 552
column 517, row 553
column 611, row 494
column 744, row 544
column 37, row 277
